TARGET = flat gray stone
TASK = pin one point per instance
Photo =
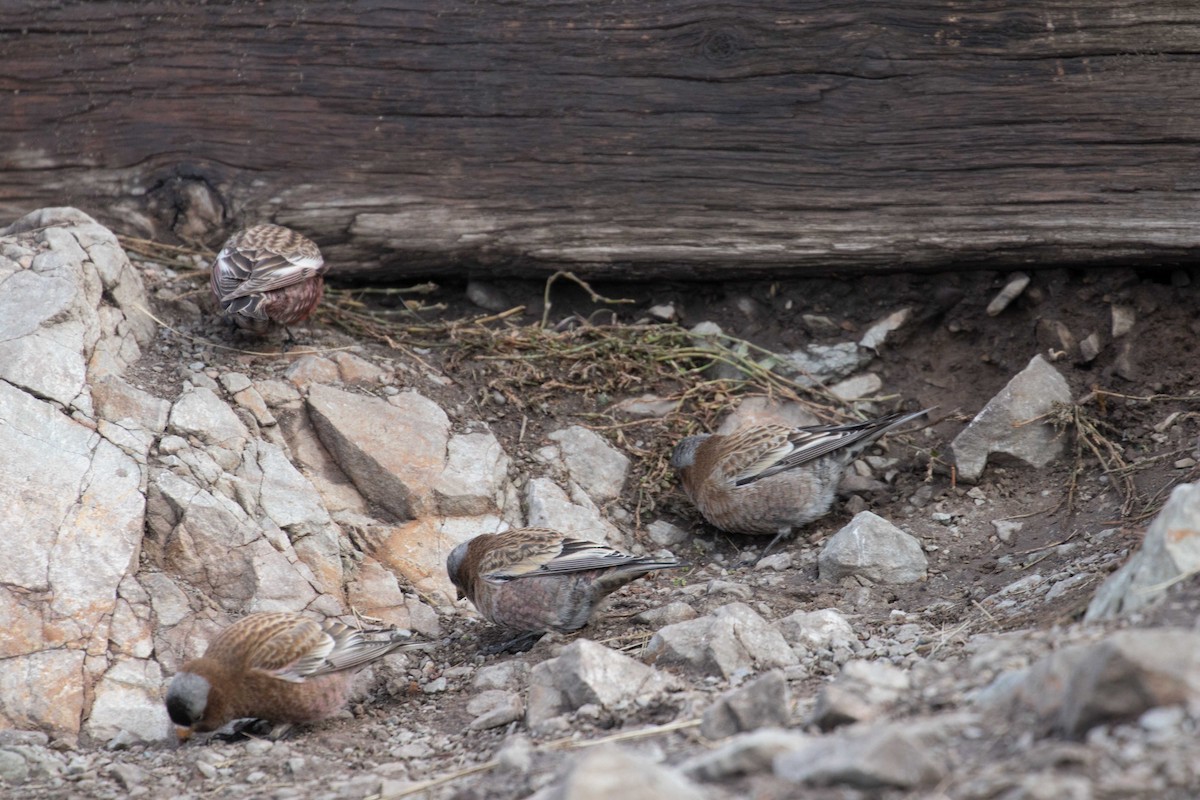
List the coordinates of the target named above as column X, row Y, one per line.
column 129, row 698
column 505, row 675
column 606, row 773
column 857, row 386
column 645, row 406
column 871, row 547
column 884, row 756
column 675, row 611
column 664, row 534
column 29, row 299
column 575, row 515
column 493, row 708
column 202, row 414
column 762, row 702
column 116, row 400
column 73, row 523
column 743, row 754
column 733, row 639
column 214, row 545
column 826, row 363
column 861, row 692
column 822, row 629
column 878, row 332
column 474, row 478
column 598, row 467
column 73, row 312
column 1004, row 425
column 1113, row 680
column 588, row 672
column 394, row 451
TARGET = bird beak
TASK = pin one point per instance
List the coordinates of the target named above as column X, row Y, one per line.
column 183, row 733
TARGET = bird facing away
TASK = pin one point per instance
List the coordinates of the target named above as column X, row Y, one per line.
column 281, row 667
column 772, row 479
column 535, row 580
column 265, row 274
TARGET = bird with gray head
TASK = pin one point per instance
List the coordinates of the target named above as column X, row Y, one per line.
column 276, row 666
column 773, row 479
column 534, row 580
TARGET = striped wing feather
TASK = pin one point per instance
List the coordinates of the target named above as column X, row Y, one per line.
column 770, row 449
column 749, row 451
column 354, row 648
column 263, row 259
column 288, row 645
column 540, row 551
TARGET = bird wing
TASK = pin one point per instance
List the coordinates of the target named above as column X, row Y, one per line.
column 266, row 272
column 540, row 551
column 264, row 258
column 286, row 645
column 354, row 648
column 805, row 445
column 748, row 452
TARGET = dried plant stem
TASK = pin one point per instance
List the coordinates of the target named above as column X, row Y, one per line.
column 596, row 298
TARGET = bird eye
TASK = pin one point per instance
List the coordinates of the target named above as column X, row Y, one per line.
column 180, row 713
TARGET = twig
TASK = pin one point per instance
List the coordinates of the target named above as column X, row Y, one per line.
column 986, row 613
column 596, row 298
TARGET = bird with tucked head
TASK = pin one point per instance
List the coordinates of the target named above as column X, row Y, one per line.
column 534, row 580
column 773, row 479
column 265, row 274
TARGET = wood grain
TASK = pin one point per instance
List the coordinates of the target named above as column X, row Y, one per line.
column 633, row 139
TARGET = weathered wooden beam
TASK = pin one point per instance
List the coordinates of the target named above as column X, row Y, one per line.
column 631, row 139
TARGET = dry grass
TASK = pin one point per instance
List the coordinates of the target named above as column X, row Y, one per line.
column 580, row 368
column 1096, row 440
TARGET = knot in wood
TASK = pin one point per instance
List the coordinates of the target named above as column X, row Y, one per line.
column 721, row 46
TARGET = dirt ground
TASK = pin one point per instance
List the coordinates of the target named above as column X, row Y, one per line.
column 1080, row 516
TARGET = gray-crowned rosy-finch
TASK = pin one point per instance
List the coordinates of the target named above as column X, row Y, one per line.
column 265, row 274
column 772, row 479
column 276, row 666
column 535, row 580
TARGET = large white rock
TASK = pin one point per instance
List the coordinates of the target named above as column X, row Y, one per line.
column 212, row 543
column 71, row 518
column 43, row 690
column 129, row 698
column 474, row 478
column 204, row 415
column 69, row 306
column 589, row 673
column 576, row 515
